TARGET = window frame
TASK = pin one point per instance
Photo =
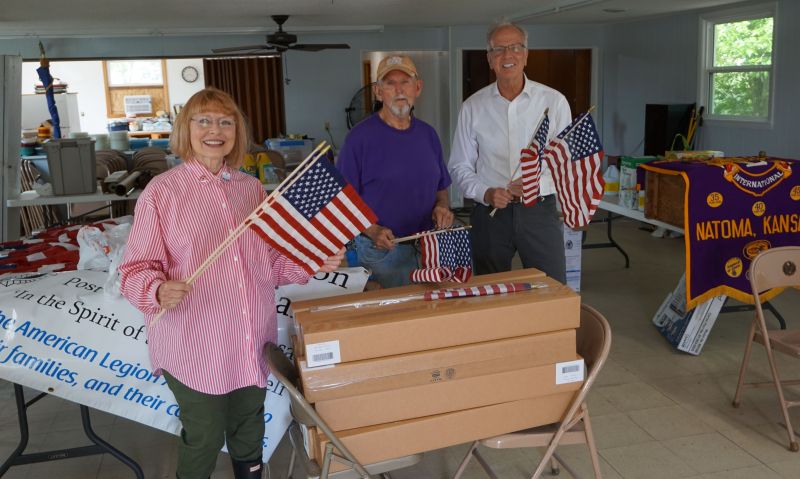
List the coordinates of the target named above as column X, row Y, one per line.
column 706, row 70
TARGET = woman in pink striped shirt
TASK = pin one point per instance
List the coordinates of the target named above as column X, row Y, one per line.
column 209, row 342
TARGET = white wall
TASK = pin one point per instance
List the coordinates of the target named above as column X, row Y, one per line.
column 82, row 77
column 180, row 90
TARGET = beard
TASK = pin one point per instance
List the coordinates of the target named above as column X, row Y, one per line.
column 401, row 110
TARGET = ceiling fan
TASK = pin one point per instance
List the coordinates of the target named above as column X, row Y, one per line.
column 281, row 41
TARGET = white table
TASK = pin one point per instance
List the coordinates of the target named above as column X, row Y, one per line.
column 613, row 211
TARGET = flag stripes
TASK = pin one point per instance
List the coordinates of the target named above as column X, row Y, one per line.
column 446, row 256
column 574, row 158
column 483, row 290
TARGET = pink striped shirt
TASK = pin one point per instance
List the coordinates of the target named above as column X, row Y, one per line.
column 212, row 341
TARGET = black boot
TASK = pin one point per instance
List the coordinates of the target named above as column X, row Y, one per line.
column 248, row 469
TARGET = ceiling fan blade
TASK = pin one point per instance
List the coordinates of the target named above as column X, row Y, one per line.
column 242, row 48
column 315, row 47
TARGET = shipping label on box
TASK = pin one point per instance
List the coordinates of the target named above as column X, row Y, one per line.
column 687, row 330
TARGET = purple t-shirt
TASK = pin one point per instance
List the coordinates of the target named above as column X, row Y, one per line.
column 396, row 172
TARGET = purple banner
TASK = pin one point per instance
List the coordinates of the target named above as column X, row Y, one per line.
column 735, row 208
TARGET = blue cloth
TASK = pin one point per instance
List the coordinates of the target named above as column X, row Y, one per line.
column 396, row 172
column 390, row 268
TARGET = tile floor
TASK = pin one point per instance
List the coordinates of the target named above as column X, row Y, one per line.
column 657, row 413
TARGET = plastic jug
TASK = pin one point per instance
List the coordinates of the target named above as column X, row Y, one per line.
column 611, row 178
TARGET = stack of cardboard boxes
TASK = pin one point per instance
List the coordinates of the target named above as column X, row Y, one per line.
column 415, row 376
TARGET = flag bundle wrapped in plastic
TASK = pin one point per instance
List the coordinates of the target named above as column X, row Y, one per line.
column 483, row 290
column 574, row 158
column 530, row 164
column 446, row 256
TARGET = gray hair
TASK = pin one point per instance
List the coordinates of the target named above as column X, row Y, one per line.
column 502, row 23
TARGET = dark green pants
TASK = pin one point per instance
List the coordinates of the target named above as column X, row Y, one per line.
column 210, row 420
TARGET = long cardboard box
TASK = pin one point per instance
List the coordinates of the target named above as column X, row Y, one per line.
column 516, row 276
column 442, row 397
column 352, row 334
column 435, row 366
column 379, row 443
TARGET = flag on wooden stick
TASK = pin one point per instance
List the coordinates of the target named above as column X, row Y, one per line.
column 530, row 164
column 574, row 158
column 446, row 256
column 314, row 218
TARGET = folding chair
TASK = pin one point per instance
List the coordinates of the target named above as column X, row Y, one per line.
column 302, row 412
column 773, row 268
column 593, row 343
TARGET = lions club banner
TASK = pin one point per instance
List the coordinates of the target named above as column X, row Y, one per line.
column 734, row 208
column 59, row 333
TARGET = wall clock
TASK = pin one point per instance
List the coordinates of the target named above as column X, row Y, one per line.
column 190, row 74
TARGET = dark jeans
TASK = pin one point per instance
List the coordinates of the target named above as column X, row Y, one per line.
column 536, row 232
column 210, row 420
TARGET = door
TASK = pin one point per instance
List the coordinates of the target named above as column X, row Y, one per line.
column 568, row 71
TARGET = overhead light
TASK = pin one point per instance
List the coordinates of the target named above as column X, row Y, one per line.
column 614, row 10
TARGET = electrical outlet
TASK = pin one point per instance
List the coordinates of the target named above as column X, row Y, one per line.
column 327, row 125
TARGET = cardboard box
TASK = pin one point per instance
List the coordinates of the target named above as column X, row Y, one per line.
column 573, row 240
column 378, row 443
column 529, row 275
column 687, row 330
column 463, row 391
column 425, row 367
column 665, row 198
column 352, row 334
column 629, row 178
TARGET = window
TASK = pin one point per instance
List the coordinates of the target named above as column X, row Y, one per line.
column 135, row 87
column 737, row 65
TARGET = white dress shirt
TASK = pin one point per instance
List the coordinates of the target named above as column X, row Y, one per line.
column 492, row 131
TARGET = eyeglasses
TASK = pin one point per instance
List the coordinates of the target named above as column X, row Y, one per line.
column 500, row 49
column 223, row 123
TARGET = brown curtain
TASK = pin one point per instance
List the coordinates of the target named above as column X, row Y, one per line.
column 257, row 86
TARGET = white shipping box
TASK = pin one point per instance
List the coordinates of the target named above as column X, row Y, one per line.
column 572, row 251
column 687, row 331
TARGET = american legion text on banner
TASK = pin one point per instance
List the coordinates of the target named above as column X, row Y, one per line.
column 734, row 208
column 59, row 333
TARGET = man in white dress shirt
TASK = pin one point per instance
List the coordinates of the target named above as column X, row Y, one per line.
column 494, row 125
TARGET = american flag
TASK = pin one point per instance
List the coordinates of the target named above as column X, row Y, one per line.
column 574, row 158
column 314, row 217
column 446, row 256
column 530, row 164
column 484, row 290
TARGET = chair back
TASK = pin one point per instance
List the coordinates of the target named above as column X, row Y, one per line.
column 775, row 268
column 285, row 372
column 593, row 344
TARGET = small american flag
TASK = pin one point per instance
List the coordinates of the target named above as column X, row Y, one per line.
column 484, row 290
column 530, row 164
column 574, row 158
column 446, row 256
column 314, row 217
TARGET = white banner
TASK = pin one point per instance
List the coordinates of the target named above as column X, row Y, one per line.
column 60, row 334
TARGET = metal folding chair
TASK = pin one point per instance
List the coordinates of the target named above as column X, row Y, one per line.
column 593, row 344
column 773, row 268
column 303, row 413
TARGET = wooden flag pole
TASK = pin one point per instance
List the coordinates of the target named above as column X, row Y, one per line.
column 430, row 233
column 541, row 120
column 312, row 158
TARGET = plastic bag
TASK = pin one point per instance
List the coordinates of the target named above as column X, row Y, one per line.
column 102, row 250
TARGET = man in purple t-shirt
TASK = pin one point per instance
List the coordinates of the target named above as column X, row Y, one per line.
column 395, row 163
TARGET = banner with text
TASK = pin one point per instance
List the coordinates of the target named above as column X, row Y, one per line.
column 60, row 334
column 734, row 209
